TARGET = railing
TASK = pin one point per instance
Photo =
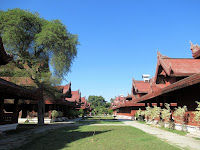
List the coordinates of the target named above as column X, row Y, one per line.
column 8, row 118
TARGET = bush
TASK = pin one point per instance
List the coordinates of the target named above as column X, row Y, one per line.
column 180, row 112
column 81, row 112
column 60, row 113
column 54, row 114
column 110, row 111
column 197, row 113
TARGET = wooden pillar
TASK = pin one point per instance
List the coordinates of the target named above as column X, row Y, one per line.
column 16, row 105
column 164, row 101
column 2, row 102
column 50, row 110
column 158, row 103
column 146, row 104
column 150, row 104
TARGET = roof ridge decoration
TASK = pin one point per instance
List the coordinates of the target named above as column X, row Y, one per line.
column 159, row 55
column 195, row 50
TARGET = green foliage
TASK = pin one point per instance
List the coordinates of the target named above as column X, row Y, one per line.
column 166, row 113
column 96, row 101
column 112, row 100
column 81, row 111
column 148, row 111
column 60, row 113
column 99, row 105
column 180, row 112
column 35, row 43
column 155, row 112
column 136, row 115
column 54, row 114
column 197, row 113
column 139, row 112
column 73, row 113
column 110, row 111
column 152, row 113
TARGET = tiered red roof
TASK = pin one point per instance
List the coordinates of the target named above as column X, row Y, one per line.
column 177, row 66
column 76, row 97
column 140, row 86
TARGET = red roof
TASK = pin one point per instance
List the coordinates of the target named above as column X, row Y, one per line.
column 178, row 66
column 140, row 86
column 191, row 80
column 76, row 97
column 65, row 88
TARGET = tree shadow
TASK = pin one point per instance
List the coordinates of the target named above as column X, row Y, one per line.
column 60, row 138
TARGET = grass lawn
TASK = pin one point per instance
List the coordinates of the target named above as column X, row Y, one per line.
column 99, row 122
column 174, row 131
column 96, row 138
column 167, row 129
column 99, row 118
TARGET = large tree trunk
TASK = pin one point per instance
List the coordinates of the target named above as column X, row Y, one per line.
column 41, row 110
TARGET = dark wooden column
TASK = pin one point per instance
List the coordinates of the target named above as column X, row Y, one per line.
column 146, row 104
column 157, row 101
column 16, row 105
column 164, row 101
column 150, row 104
column 2, row 102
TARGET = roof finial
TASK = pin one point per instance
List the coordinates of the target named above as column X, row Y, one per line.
column 194, row 48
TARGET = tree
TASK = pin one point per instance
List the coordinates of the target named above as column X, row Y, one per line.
column 112, row 100
column 35, row 44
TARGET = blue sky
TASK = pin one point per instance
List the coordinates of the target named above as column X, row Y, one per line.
column 119, row 39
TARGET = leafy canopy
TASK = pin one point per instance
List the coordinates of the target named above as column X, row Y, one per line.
column 99, row 105
column 35, row 43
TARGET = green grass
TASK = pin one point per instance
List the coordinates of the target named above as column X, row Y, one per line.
column 99, row 122
column 174, row 131
column 167, row 129
column 196, row 138
column 99, row 118
column 98, row 138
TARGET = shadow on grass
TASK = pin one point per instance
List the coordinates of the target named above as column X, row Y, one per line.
column 60, row 138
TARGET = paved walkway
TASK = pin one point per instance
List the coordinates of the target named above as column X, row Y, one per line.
column 172, row 138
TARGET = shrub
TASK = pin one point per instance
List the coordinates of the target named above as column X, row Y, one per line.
column 166, row 113
column 60, row 113
column 140, row 114
column 81, row 112
column 54, row 114
column 180, row 112
column 148, row 112
column 197, row 113
column 110, row 111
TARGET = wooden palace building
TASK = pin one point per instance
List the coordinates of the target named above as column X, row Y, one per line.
column 176, row 82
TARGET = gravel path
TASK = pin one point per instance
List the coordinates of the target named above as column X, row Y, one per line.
column 171, row 138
